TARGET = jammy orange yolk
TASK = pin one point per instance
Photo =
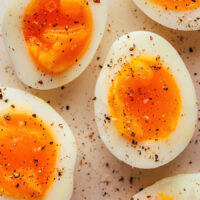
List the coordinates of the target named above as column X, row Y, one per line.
column 179, row 5
column 57, row 33
column 144, row 100
column 28, row 155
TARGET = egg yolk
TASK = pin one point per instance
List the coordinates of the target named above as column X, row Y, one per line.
column 178, row 5
column 28, row 155
column 144, row 100
column 161, row 196
column 165, row 197
column 57, row 33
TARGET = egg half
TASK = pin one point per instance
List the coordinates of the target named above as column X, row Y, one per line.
column 52, row 42
column 182, row 187
column 145, row 104
column 176, row 14
column 37, row 149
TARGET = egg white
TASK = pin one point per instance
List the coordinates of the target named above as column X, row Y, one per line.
column 168, row 148
column 28, row 104
column 181, row 187
column 22, row 61
column 180, row 20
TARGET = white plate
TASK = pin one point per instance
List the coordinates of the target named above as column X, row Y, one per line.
column 98, row 175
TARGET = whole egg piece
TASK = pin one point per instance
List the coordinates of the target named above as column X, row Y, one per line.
column 14, row 101
column 149, row 153
column 187, row 20
column 182, row 187
column 22, row 61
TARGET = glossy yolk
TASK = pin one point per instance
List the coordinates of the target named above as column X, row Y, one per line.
column 57, row 33
column 27, row 157
column 179, row 5
column 144, row 100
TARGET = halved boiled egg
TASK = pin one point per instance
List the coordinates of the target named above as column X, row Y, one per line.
column 176, row 14
column 51, row 42
column 145, row 101
column 183, row 187
column 37, row 149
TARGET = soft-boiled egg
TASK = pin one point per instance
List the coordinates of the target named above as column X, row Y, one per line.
column 37, row 149
column 176, row 14
column 182, row 187
column 51, row 42
column 145, row 101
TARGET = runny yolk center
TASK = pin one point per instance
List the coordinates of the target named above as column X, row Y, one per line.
column 178, row 5
column 57, row 33
column 28, row 155
column 144, row 100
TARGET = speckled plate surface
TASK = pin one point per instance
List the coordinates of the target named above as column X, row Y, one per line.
column 99, row 175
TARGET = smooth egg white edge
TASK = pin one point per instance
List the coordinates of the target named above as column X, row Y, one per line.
column 21, row 59
column 182, row 187
column 169, row 148
column 26, row 103
column 179, row 20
